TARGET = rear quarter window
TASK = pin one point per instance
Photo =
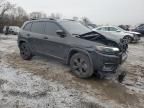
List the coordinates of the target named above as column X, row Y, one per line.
column 27, row 27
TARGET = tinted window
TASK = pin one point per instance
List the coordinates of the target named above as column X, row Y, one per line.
column 105, row 29
column 51, row 28
column 112, row 29
column 28, row 27
column 38, row 27
column 74, row 27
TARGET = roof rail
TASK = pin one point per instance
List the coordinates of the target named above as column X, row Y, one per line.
column 69, row 19
column 42, row 19
column 48, row 18
column 33, row 19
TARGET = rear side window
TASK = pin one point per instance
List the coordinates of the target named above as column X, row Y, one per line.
column 105, row 29
column 51, row 28
column 38, row 27
column 28, row 27
column 112, row 29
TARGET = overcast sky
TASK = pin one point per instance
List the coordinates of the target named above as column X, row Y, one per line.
column 98, row 11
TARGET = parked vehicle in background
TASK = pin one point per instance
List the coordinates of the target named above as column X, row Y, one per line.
column 11, row 30
column 14, row 30
column 125, row 27
column 130, row 36
column 86, row 51
column 140, row 29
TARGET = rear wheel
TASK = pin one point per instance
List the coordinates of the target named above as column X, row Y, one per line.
column 81, row 65
column 25, row 51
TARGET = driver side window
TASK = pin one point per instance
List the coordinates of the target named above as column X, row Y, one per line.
column 51, row 28
column 112, row 29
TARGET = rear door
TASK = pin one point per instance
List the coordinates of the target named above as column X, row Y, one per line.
column 37, row 37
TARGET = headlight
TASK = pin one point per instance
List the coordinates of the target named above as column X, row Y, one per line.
column 108, row 50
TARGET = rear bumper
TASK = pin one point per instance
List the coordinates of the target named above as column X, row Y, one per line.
column 107, row 63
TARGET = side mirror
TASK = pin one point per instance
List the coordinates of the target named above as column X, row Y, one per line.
column 61, row 33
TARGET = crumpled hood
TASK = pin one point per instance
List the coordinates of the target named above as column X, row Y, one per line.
column 111, row 36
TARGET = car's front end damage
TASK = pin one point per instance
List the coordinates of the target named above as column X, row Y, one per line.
column 136, row 38
column 106, row 64
column 108, row 56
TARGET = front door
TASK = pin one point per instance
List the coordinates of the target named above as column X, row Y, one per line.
column 54, row 44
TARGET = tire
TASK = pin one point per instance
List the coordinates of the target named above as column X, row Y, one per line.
column 128, row 38
column 25, row 51
column 81, row 65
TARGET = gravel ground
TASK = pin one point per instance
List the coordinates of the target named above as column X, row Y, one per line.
column 47, row 83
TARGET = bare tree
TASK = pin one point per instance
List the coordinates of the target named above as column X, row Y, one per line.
column 86, row 21
column 4, row 7
column 75, row 18
column 37, row 15
column 20, row 12
column 14, row 17
column 19, row 15
column 56, row 15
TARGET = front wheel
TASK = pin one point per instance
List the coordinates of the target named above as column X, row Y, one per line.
column 81, row 65
column 25, row 51
column 128, row 38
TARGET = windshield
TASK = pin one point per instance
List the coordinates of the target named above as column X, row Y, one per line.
column 75, row 28
column 120, row 29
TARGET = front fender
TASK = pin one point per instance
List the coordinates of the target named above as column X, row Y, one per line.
column 79, row 50
column 20, row 40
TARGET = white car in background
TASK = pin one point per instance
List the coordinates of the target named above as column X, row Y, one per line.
column 128, row 35
column 14, row 30
column 11, row 30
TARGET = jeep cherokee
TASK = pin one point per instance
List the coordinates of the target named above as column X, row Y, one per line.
column 86, row 51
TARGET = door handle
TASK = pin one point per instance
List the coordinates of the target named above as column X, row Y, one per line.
column 45, row 37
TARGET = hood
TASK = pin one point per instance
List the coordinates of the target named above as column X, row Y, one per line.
column 106, row 39
column 111, row 36
column 132, row 32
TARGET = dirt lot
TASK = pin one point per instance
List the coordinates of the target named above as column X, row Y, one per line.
column 47, row 83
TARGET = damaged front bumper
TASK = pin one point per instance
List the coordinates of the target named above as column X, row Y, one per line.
column 107, row 64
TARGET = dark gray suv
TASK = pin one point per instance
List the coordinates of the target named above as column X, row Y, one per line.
column 86, row 51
